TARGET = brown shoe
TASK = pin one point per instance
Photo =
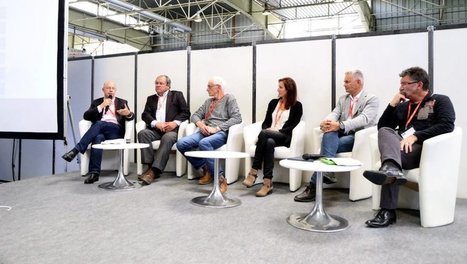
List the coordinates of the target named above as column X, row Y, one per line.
column 206, row 178
column 266, row 188
column 251, row 178
column 222, row 184
column 147, row 177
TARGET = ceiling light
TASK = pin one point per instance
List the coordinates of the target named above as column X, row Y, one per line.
column 266, row 12
column 197, row 18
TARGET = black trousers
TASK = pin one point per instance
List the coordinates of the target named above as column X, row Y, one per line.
column 389, row 147
column 264, row 153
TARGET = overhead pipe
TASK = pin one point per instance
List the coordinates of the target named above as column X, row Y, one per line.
column 149, row 15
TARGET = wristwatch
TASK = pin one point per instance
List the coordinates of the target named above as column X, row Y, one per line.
column 341, row 126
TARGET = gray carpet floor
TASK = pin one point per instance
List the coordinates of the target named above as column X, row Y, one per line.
column 58, row 219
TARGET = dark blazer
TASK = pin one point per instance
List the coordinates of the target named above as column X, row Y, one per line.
column 176, row 108
column 93, row 115
column 295, row 116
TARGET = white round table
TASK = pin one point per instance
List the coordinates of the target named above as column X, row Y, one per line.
column 120, row 183
column 317, row 220
column 216, row 198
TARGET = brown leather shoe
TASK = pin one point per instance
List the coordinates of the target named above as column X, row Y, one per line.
column 266, row 188
column 147, row 177
column 206, row 178
column 222, row 184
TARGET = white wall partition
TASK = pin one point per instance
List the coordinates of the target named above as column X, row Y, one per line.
column 172, row 64
column 309, row 64
column 232, row 64
column 381, row 59
column 450, row 64
column 121, row 70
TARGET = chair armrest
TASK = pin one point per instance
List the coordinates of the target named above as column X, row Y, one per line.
column 297, row 145
column 250, row 134
column 317, row 137
column 235, row 137
column 182, row 129
column 190, row 129
column 129, row 129
column 140, row 126
column 361, row 148
column 84, row 126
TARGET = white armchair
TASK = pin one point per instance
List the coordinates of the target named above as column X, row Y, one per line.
column 110, row 158
column 297, row 148
column 432, row 188
column 180, row 161
column 234, row 143
column 359, row 187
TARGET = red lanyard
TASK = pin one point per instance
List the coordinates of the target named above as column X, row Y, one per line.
column 409, row 118
column 212, row 106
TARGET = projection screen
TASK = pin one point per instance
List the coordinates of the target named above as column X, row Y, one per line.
column 32, row 69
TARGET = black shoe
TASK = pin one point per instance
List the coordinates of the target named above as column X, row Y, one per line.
column 387, row 174
column 383, row 218
column 70, row 155
column 329, row 178
column 93, row 177
column 308, row 195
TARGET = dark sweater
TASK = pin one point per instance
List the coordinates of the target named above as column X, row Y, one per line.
column 435, row 116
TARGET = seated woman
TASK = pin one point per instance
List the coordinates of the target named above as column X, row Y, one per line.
column 283, row 114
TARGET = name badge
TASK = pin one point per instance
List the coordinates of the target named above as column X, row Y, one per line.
column 408, row 133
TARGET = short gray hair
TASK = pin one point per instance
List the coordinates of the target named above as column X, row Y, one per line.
column 357, row 75
column 219, row 81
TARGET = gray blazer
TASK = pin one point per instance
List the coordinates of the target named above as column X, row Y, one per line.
column 363, row 115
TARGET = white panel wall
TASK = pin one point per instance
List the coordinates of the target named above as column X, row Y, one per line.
column 450, row 65
column 172, row 64
column 79, row 91
column 309, row 64
column 232, row 64
column 381, row 59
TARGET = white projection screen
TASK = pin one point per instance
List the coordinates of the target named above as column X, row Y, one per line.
column 32, row 69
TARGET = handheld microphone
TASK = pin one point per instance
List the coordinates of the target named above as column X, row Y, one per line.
column 107, row 107
column 307, row 156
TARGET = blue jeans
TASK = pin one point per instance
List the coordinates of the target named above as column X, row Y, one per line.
column 333, row 143
column 202, row 142
column 98, row 132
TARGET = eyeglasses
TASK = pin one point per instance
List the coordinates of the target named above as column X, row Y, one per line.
column 407, row 83
column 212, row 85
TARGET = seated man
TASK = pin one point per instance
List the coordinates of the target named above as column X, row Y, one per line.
column 213, row 119
column 354, row 111
column 163, row 114
column 108, row 115
column 412, row 116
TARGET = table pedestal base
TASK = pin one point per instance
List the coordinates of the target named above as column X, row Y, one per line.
column 318, row 222
column 218, row 202
column 120, row 183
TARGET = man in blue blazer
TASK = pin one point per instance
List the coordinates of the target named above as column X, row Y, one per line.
column 354, row 111
column 108, row 115
column 163, row 113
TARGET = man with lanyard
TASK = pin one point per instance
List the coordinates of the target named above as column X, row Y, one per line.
column 354, row 111
column 108, row 115
column 412, row 116
column 213, row 119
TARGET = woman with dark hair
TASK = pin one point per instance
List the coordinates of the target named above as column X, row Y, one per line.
column 283, row 114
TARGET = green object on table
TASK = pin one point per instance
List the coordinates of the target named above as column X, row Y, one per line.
column 327, row 161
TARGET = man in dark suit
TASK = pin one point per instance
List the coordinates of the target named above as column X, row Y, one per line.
column 108, row 115
column 163, row 113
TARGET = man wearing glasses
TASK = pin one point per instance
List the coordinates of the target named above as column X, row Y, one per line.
column 412, row 116
column 213, row 120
